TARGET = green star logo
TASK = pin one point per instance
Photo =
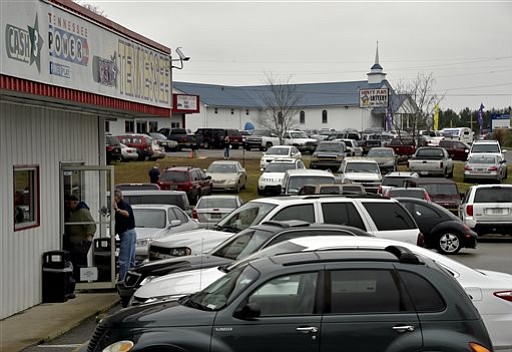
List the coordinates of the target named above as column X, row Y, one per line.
column 36, row 43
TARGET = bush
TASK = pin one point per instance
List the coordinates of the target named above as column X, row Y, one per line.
column 504, row 136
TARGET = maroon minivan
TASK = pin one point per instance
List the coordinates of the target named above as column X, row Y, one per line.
column 456, row 149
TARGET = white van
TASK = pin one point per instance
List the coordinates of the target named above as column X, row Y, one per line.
column 463, row 134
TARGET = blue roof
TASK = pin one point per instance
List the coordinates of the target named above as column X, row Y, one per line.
column 313, row 94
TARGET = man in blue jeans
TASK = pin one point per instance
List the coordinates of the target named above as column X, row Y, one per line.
column 125, row 228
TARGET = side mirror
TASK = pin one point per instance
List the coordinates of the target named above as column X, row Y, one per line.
column 175, row 223
column 262, row 169
column 503, row 151
column 248, row 312
column 466, row 151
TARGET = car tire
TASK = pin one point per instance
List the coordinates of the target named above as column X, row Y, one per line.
column 260, row 192
column 262, row 149
column 451, row 174
column 449, row 242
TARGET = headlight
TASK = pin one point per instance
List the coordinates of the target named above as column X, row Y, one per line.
column 147, row 280
column 180, row 252
column 120, row 346
column 144, row 242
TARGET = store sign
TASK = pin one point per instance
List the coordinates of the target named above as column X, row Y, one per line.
column 374, row 98
column 44, row 43
column 186, row 103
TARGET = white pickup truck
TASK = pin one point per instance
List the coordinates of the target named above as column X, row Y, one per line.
column 300, row 140
column 431, row 161
column 262, row 140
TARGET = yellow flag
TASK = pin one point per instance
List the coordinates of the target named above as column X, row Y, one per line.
column 436, row 117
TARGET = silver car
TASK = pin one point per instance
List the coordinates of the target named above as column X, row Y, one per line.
column 227, row 175
column 211, row 209
column 485, row 167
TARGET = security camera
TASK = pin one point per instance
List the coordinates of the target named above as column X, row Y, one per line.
column 181, row 55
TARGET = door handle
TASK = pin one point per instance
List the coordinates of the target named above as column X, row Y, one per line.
column 403, row 328
column 308, row 329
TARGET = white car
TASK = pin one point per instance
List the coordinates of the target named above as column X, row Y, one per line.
column 155, row 221
column 486, row 147
column 128, row 153
column 300, row 140
column 186, row 243
column 209, row 210
column 488, row 208
column 395, row 179
column 490, row 291
column 279, row 152
column 271, row 180
column 361, row 170
column 353, row 148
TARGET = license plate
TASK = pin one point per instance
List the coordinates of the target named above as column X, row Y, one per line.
column 495, row 211
column 216, row 216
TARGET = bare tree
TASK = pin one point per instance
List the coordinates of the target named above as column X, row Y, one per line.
column 419, row 113
column 96, row 9
column 281, row 105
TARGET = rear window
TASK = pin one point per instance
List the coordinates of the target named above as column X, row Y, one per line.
column 440, row 189
column 394, row 181
column 297, row 182
column 178, row 131
column 485, row 148
column 493, row 195
column 216, row 203
column 413, row 193
column 174, row 176
column 390, row 216
column 430, row 153
column 172, row 199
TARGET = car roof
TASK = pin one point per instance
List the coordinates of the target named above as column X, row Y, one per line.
column 486, row 141
column 153, row 206
column 430, row 180
column 402, row 174
column 284, row 160
column 314, row 197
column 356, row 159
column 227, row 162
column 180, row 168
column 493, row 186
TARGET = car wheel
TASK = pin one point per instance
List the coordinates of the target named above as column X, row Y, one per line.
column 451, row 174
column 449, row 242
column 260, row 192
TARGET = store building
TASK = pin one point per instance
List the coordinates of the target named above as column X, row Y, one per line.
column 64, row 73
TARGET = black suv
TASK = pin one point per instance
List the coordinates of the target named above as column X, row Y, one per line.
column 237, row 247
column 214, row 137
column 363, row 299
column 113, row 149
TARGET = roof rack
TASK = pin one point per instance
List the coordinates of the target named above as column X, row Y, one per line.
column 367, row 195
column 403, row 254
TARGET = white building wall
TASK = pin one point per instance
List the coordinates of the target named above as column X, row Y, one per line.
column 36, row 135
column 338, row 117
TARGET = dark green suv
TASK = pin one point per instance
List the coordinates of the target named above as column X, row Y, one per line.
column 330, row 300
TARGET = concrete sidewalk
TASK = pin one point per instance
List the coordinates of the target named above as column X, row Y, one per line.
column 47, row 321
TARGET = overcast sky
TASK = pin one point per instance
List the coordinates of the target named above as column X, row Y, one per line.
column 466, row 45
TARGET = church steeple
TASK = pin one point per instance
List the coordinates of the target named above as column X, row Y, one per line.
column 376, row 74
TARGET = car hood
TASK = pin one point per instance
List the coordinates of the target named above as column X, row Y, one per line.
column 360, row 176
column 382, row 159
column 200, row 242
column 147, row 232
column 164, row 314
column 221, row 176
column 199, row 233
column 167, row 266
column 273, row 175
column 182, row 283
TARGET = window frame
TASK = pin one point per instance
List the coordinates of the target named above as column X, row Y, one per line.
column 35, row 197
column 324, row 116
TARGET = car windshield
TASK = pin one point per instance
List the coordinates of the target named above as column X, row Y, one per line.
column 208, row 203
column 297, row 182
column 157, row 135
column 485, row 148
column 380, row 153
column 222, row 168
column 221, row 292
column 298, row 134
column 440, row 189
column 430, row 153
column 493, row 195
column 279, row 167
column 482, row 159
column 245, row 216
column 153, row 218
column 243, row 244
column 363, row 168
column 330, row 147
column 278, row 151
column 413, row 193
column 174, row 176
column 394, row 181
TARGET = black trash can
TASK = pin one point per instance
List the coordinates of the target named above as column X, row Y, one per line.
column 58, row 283
column 102, row 261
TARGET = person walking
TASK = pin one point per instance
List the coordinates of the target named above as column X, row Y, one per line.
column 125, row 228
column 79, row 236
column 154, row 173
column 226, row 147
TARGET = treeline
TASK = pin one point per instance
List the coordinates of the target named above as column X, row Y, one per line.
column 449, row 118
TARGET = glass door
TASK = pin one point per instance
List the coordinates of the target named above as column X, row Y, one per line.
column 86, row 224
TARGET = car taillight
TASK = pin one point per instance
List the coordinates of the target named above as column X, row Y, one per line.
column 194, row 214
column 420, row 241
column 467, row 168
column 379, row 190
column 492, row 168
column 506, row 295
column 476, row 347
column 469, row 209
column 109, row 148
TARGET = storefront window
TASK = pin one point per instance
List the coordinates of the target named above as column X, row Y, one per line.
column 26, row 197
column 129, row 126
column 153, row 126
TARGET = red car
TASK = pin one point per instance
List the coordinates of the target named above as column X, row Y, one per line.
column 191, row 180
column 456, row 149
column 402, row 146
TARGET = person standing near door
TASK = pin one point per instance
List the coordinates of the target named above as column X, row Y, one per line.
column 79, row 236
column 226, row 146
column 125, row 229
